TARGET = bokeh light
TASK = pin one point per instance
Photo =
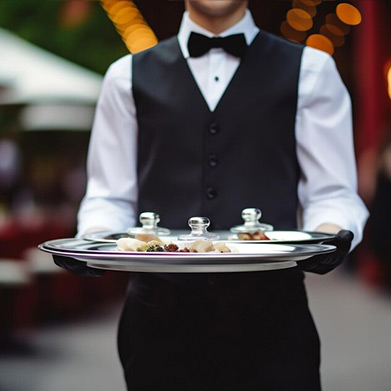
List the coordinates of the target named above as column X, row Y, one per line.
column 299, row 19
column 332, row 19
column 130, row 24
column 126, row 16
column 321, row 42
column 348, row 14
column 311, row 2
column 333, row 29
column 333, row 34
column 290, row 33
column 112, row 7
column 311, row 9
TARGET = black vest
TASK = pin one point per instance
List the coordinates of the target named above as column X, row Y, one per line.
column 194, row 162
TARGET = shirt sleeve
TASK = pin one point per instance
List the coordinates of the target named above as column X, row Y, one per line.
column 111, row 198
column 327, row 187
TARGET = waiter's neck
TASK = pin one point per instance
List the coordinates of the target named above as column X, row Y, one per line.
column 216, row 24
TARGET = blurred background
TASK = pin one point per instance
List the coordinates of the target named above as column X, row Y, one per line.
column 57, row 331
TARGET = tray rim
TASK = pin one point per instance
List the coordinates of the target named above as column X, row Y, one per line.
column 184, row 257
column 202, row 268
column 153, row 267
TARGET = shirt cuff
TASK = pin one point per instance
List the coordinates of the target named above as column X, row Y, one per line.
column 356, row 224
column 112, row 215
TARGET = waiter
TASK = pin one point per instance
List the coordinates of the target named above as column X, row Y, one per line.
column 222, row 117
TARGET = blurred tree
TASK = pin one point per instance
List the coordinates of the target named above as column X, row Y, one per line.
column 78, row 30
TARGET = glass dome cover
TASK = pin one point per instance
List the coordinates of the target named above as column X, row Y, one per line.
column 199, row 230
column 149, row 222
column 251, row 217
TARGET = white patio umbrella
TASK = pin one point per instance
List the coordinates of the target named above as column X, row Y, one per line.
column 55, row 93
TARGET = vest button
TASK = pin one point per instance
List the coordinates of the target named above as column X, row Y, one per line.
column 213, row 161
column 211, row 193
column 214, row 128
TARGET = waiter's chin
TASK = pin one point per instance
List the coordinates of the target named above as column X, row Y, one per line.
column 217, row 7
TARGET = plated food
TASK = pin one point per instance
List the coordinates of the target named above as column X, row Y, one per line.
column 157, row 245
column 258, row 235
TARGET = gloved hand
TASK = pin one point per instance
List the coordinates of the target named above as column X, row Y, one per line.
column 322, row 264
column 76, row 267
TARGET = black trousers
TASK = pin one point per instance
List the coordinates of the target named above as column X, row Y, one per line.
column 241, row 331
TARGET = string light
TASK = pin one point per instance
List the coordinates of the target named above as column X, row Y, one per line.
column 130, row 24
column 299, row 20
column 138, row 36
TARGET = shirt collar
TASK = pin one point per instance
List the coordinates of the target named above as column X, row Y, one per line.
column 246, row 26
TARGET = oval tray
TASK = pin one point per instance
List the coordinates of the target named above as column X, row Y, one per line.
column 249, row 257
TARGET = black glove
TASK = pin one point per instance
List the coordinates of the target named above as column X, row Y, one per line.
column 322, row 264
column 77, row 267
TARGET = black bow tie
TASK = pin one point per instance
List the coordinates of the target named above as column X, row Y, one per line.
column 199, row 44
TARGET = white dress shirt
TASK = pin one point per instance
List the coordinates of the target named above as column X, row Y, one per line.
column 327, row 187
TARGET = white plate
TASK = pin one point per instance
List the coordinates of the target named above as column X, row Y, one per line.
column 113, row 236
column 287, row 237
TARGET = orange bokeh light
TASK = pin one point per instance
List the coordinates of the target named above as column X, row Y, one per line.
column 334, row 30
column 140, row 30
column 129, row 29
column 130, row 24
column 113, row 8
column 106, row 4
column 141, row 38
column 389, row 81
column 321, row 42
column 126, row 16
column 288, row 32
column 334, row 34
column 142, row 43
column 332, row 19
column 349, row 14
column 299, row 19
column 311, row 2
column 311, row 9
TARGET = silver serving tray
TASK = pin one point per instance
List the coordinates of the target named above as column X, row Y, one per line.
column 249, row 256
